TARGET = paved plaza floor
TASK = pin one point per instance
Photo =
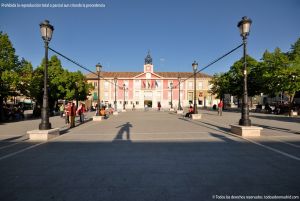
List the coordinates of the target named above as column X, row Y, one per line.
column 152, row 156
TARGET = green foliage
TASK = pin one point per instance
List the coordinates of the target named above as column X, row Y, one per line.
column 63, row 84
column 277, row 72
column 220, row 84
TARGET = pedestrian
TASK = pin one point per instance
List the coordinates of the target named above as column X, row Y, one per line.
column 67, row 114
column 62, row 110
column 220, row 108
column 72, row 113
column 133, row 107
column 80, row 111
column 158, row 106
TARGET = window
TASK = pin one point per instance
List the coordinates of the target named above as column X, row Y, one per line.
column 95, row 84
column 137, row 94
column 137, row 84
column 158, row 95
column 126, row 83
column 169, row 94
column 200, row 85
column 191, row 85
column 136, row 102
column 181, row 86
column 105, row 95
column 106, row 84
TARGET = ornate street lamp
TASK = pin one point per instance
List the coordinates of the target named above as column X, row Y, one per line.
column 76, row 93
column 98, row 69
column 179, row 82
column 195, row 67
column 171, row 86
column 46, row 32
column 115, row 80
column 244, row 26
column 124, row 87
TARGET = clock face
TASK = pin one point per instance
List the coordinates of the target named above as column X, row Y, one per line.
column 148, row 68
column 148, row 75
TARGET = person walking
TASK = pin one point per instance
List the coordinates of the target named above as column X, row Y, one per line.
column 80, row 112
column 220, row 108
column 62, row 110
column 158, row 106
column 67, row 114
column 72, row 113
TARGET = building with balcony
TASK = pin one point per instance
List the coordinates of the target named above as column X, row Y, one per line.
column 150, row 88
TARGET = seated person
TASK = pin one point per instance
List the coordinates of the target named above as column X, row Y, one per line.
column 191, row 111
column 102, row 111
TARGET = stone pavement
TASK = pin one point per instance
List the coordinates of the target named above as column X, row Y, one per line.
column 155, row 156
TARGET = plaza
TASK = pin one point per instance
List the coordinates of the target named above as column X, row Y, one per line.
column 151, row 155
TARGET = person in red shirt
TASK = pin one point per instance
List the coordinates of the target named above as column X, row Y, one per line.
column 220, row 108
column 72, row 113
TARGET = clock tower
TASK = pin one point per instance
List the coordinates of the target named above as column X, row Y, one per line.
column 148, row 66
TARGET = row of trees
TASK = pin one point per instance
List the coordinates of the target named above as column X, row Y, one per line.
column 19, row 78
column 276, row 72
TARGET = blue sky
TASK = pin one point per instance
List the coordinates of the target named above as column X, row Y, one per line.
column 176, row 32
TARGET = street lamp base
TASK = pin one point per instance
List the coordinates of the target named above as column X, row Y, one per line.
column 44, row 126
column 245, row 122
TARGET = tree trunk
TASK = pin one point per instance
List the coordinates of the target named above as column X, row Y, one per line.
column 291, row 104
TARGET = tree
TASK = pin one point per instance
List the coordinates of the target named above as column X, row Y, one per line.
column 63, row 85
column 8, row 63
column 220, row 85
column 273, row 65
column 235, row 76
column 292, row 73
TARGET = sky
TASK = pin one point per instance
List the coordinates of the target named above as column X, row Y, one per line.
column 120, row 34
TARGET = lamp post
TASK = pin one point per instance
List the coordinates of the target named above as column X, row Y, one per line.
column 195, row 67
column 115, row 80
column 179, row 82
column 124, row 96
column 171, row 86
column 98, row 69
column 46, row 32
column 244, row 26
column 76, row 93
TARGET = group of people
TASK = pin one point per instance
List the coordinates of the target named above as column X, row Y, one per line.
column 69, row 112
column 13, row 112
column 191, row 109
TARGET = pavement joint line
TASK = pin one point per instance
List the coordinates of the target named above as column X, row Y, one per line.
column 148, row 133
column 291, row 144
column 22, row 150
column 262, row 145
column 288, row 143
column 9, row 145
column 27, row 148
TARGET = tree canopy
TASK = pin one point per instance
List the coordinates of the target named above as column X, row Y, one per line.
column 276, row 72
column 19, row 78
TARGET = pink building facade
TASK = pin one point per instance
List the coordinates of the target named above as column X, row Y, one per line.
column 148, row 88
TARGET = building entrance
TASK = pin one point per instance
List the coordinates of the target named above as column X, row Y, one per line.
column 148, row 103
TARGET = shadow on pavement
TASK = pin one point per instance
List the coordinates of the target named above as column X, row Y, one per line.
column 277, row 118
column 158, row 171
column 124, row 130
column 65, row 129
column 277, row 128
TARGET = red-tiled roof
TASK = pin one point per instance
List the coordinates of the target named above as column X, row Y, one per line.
column 133, row 74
